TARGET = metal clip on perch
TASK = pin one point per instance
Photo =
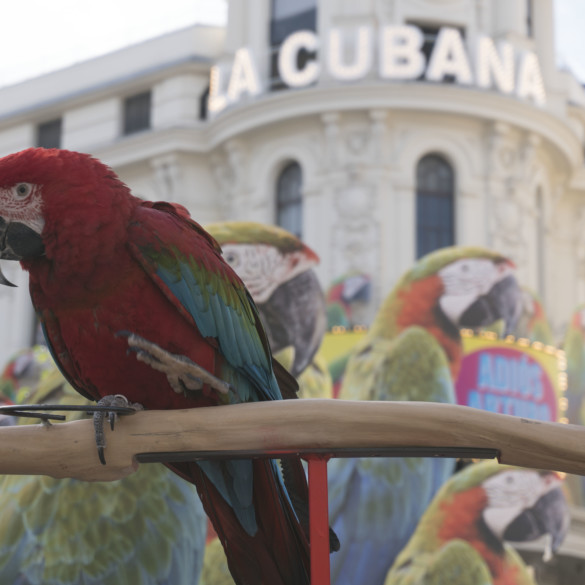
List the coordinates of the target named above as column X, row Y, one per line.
column 41, row 411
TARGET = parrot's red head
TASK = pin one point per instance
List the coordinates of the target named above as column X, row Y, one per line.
column 38, row 190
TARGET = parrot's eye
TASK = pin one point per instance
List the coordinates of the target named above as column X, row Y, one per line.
column 22, row 190
column 231, row 258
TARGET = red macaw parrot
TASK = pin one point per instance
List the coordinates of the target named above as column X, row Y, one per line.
column 109, row 271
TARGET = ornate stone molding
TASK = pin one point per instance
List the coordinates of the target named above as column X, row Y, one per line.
column 378, row 131
column 228, row 165
column 331, row 133
column 168, row 176
column 528, row 156
column 501, row 149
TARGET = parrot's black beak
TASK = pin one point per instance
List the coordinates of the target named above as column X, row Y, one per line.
column 503, row 301
column 4, row 280
column 295, row 315
column 17, row 242
column 550, row 515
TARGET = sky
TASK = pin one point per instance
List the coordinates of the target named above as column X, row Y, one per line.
column 570, row 40
column 39, row 36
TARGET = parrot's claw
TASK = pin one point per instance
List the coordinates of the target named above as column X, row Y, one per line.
column 184, row 375
column 112, row 417
column 100, row 415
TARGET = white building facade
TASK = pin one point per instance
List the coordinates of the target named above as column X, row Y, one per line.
column 376, row 129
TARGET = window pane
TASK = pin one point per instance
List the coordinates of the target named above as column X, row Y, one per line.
column 435, row 189
column 203, row 101
column 289, row 199
column 137, row 113
column 289, row 16
column 49, row 134
column 286, row 8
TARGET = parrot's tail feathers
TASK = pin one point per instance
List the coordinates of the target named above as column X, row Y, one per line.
column 278, row 553
column 288, row 385
column 296, row 486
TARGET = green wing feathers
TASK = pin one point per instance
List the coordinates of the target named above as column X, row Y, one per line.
column 146, row 529
column 411, row 367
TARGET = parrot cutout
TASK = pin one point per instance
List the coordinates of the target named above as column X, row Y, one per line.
column 345, row 294
column 461, row 538
column 146, row 529
column 574, row 348
column 342, row 297
column 533, row 323
column 277, row 269
column 111, row 273
column 412, row 351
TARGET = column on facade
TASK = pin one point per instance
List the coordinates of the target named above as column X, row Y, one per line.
column 510, row 17
column 175, row 100
column 544, row 36
column 469, row 214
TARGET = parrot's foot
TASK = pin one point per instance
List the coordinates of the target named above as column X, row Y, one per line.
column 99, row 418
column 184, row 375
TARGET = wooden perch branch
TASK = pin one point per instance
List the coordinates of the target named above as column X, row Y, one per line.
column 280, row 427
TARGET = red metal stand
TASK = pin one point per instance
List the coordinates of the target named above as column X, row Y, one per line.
column 319, row 520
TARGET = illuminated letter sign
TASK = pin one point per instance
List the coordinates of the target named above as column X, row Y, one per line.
column 287, row 59
column 244, row 78
column 495, row 67
column 400, row 58
column 362, row 62
column 217, row 100
column 449, row 58
column 530, row 84
column 400, row 52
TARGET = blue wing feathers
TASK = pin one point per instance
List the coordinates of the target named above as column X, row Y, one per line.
column 233, row 325
column 205, row 292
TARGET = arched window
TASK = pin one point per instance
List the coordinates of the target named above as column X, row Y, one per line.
column 435, row 209
column 289, row 199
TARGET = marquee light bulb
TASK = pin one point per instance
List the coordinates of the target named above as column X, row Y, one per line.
column 530, row 84
column 495, row 67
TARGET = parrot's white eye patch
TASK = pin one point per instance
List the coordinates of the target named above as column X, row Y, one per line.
column 22, row 190
column 232, row 258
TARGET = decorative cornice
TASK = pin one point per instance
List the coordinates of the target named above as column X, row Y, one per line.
column 436, row 98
